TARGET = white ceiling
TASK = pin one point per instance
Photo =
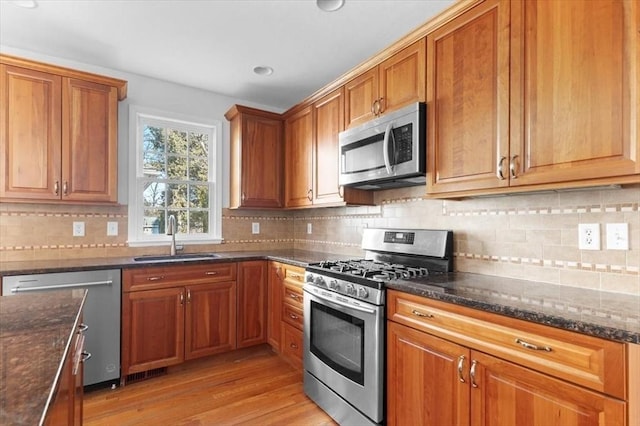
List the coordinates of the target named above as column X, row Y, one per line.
column 215, row 44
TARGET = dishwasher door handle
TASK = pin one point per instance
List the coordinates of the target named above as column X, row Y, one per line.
column 60, row 286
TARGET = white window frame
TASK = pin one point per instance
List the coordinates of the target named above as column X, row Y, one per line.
column 136, row 237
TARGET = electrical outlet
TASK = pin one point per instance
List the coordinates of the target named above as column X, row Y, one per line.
column 255, row 228
column 589, row 236
column 309, row 228
column 617, row 236
column 78, row 229
column 112, row 229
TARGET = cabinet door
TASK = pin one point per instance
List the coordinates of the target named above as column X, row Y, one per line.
column 210, row 319
column 402, row 77
column 252, row 303
column 298, row 159
column 274, row 303
column 423, row 381
column 261, row 162
column 468, row 100
column 89, row 141
column 507, row 394
column 152, row 329
column 359, row 96
column 329, row 122
column 30, row 135
column 574, row 90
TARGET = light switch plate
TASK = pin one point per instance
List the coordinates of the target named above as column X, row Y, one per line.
column 255, row 228
column 309, row 228
column 617, row 236
column 78, row 229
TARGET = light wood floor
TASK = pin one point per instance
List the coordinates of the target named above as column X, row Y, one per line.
column 251, row 387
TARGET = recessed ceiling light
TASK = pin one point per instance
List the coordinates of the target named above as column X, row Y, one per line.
column 330, row 5
column 27, row 4
column 263, row 70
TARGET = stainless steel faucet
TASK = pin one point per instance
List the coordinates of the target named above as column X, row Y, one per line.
column 171, row 230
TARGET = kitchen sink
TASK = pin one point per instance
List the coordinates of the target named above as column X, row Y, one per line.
column 177, row 257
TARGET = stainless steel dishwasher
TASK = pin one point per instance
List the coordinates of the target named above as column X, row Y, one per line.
column 101, row 314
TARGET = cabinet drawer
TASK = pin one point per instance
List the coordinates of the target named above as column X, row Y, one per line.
column 156, row 277
column 292, row 344
column 292, row 316
column 585, row 360
column 294, row 274
column 292, row 295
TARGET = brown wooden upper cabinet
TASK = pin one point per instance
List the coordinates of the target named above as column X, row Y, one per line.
column 256, row 158
column 59, row 138
column 312, row 156
column 517, row 101
column 394, row 83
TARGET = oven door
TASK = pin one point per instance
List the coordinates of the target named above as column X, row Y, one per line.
column 343, row 348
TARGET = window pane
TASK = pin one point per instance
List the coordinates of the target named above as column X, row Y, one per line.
column 153, row 139
column 153, row 222
column 199, row 222
column 199, row 196
column 154, row 195
column 198, row 144
column 176, row 168
column 198, row 170
column 177, row 195
column 177, row 142
column 153, row 164
column 181, row 220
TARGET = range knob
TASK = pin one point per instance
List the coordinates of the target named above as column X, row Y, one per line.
column 334, row 285
column 309, row 278
column 351, row 290
column 319, row 281
column 362, row 292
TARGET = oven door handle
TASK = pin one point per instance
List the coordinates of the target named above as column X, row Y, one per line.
column 337, row 304
column 385, row 148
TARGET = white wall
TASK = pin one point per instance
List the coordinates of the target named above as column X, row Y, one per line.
column 157, row 94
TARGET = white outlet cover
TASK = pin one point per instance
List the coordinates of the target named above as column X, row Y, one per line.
column 617, row 236
column 255, row 228
column 309, row 228
column 589, row 236
column 112, row 229
column 78, row 229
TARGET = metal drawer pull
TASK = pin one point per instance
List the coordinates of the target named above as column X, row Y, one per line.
column 182, row 298
column 85, row 356
column 56, row 188
column 472, row 373
column 421, row 315
column 295, row 276
column 512, row 167
column 460, row 367
column 188, row 296
column 295, row 317
column 532, row 346
column 83, row 327
column 294, row 296
column 65, row 188
column 161, row 277
column 211, row 273
column 293, row 346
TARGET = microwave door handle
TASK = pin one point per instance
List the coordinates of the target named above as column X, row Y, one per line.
column 385, row 149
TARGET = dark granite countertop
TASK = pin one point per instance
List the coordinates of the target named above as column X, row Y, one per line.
column 36, row 331
column 612, row 316
column 294, row 257
column 608, row 315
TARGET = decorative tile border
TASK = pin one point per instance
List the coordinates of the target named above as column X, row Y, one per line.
column 56, row 214
column 327, row 243
column 61, row 246
column 583, row 266
column 598, row 208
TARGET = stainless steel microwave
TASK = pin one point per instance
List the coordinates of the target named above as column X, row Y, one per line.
column 387, row 152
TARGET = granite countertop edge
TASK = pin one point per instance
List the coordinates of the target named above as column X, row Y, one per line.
column 448, row 290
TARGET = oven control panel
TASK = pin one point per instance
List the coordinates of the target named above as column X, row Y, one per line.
column 345, row 287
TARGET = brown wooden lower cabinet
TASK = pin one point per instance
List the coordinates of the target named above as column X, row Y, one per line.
column 252, row 303
column 274, row 303
column 173, row 314
column 66, row 407
column 433, row 380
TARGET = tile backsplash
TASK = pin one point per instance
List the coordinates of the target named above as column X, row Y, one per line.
column 530, row 236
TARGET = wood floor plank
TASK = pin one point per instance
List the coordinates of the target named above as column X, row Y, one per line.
column 253, row 386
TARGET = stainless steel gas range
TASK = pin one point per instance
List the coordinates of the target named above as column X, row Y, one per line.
column 344, row 318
